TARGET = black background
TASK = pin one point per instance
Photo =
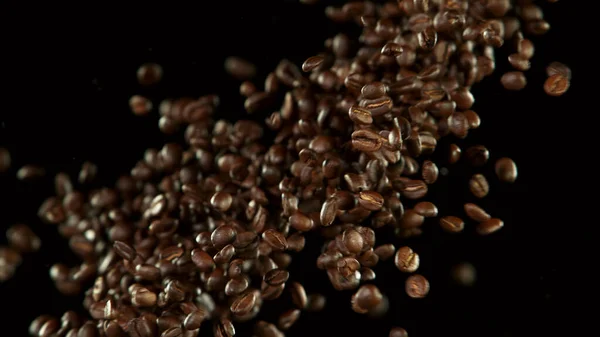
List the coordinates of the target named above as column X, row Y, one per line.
column 68, row 74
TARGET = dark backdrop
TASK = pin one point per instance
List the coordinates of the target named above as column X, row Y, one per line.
column 68, row 74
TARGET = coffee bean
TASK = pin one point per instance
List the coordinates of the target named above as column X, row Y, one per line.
column 426, row 209
column 143, row 297
column 328, row 212
column 366, row 141
column 464, row 274
column 124, row 250
column 506, row 170
column 312, row 63
column 140, row 105
column 194, row 319
column 406, row 260
column 555, row 68
column 556, row 85
column 87, row 173
column 477, row 155
column 472, row 119
column 172, row 332
column 417, row 286
column 223, row 236
column 454, row 153
column 370, row 200
column 489, row 226
column 360, row 115
column 276, row 277
column 366, row 298
column 514, row 80
column 221, row 201
column 149, row 74
column 427, row 38
column 411, row 219
column 288, row 318
column 476, row 213
column 414, row 189
column 398, row 332
column 275, row 239
column 429, row 172
column 479, row 186
column 452, row 224
column 243, row 304
column 23, row 239
column 239, row 68
column 30, row 172
column 525, row 48
column 519, row 62
column 299, row 297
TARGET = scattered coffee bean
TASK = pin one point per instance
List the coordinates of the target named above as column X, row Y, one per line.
column 489, row 226
column 514, row 80
column 398, row 332
column 479, row 186
column 239, row 68
column 140, row 105
column 464, row 274
column 557, row 85
column 506, row 170
column 149, row 74
column 476, row 213
column 452, row 224
column 417, row 286
column 30, row 172
column 23, row 239
column 406, row 260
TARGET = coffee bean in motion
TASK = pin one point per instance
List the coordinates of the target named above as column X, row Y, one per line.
column 30, row 172
column 366, row 298
column 239, row 68
column 288, row 318
column 417, row 286
column 489, row 226
column 452, row 224
column 514, row 80
column 479, row 186
column 23, row 239
column 506, row 170
column 464, row 274
column 398, row 332
column 149, row 74
column 477, row 155
column 312, row 63
column 558, row 68
column 454, row 153
column 406, row 260
column 557, row 85
column 140, row 105
column 426, row 209
column 476, row 213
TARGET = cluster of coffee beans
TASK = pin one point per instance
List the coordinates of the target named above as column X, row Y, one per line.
column 200, row 234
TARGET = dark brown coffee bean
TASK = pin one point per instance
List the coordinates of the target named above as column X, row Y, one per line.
column 373, row 90
column 525, row 48
column 519, row 62
column 506, row 170
column 147, row 272
column 312, row 63
column 472, row 119
column 37, row 323
column 300, row 222
column 221, row 201
column 414, row 189
column 452, row 224
column 429, row 172
column 477, row 155
column 479, row 186
column 458, row 124
column 370, row 200
column 239, row 68
column 194, row 319
column 275, row 239
column 454, row 153
column 360, row 115
column 87, row 173
column 555, row 68
column 489, row 226
column 140, row 105
column 30, row 172
column 411, row 219
column 23, row 239
column 476, row 213
column 142, row 297
column 149, row 74
column 222, row 236
column 288, row 318
column 385, row 252
column 426, row 209
column 391, row 49
column 5, row 160
column 406, row 260
column 427, row 38
column 366, row 141
column 464, row 274
column 417, row 286
column 556, row 85
column 328, row 211
column 514, row 80
column 299, row 297
column 398, row 332
column 316, row 302
column 276, row 277
column 48, row 329
column 264, row 329
column 366, row 298
column 124, row 250
column 243, row 304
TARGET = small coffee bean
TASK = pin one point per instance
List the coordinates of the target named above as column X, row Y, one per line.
column 506, row 170
column 30, row 172
column 276, row 277
column 406, row 260
column 514, row 80
column 558, row 68
column 275, row 239
column 452, row 224
column 312, row 63
column 454, row 153
column 288, row 318
column 23, row 239
column 489, row 226
column 366, row 298
column 429, row 172
column 477, row 155
column 556, row 85
column 239, row 68
column 366, row 141
column 426, row 209
column 360, row 116
column 149, row 74
column 398, row 332
column 476, row 213
column 140, row 105
column 464, row 274
column 479, row 186
column 417, row 286
column 519, row 62
column 299, row 297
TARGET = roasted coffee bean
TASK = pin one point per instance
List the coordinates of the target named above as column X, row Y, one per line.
column 316, row 302
column 477, row 155
column 312, row 63
column 299, row 297
column 328, row 211
column 23, row 239
column 276, row 277
column 149, row 74
column 429, row 172
column 506, row 170
column 221, row 201
column 489, row 226
column 143, row 297
column 417, row 286
column 370, row 200
column 124, row 250
column 479, row 186
column 140, row 105
column 514, row 80
column 398, row 332
column 288, row 318
column 360, row 115
column 244, row 304
column 406, row 260
column 555, row 68
column 414, row 189
column 411, row 219
column 30, row 172
column 454, row 153
column 519, row 62
column 366, row 141
column 452, row 224
column 275, row 239
column 239, row 68
column 464, row 274
column 426, row 209
column 557, row 85
column 366, row 298
column 476, row 213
